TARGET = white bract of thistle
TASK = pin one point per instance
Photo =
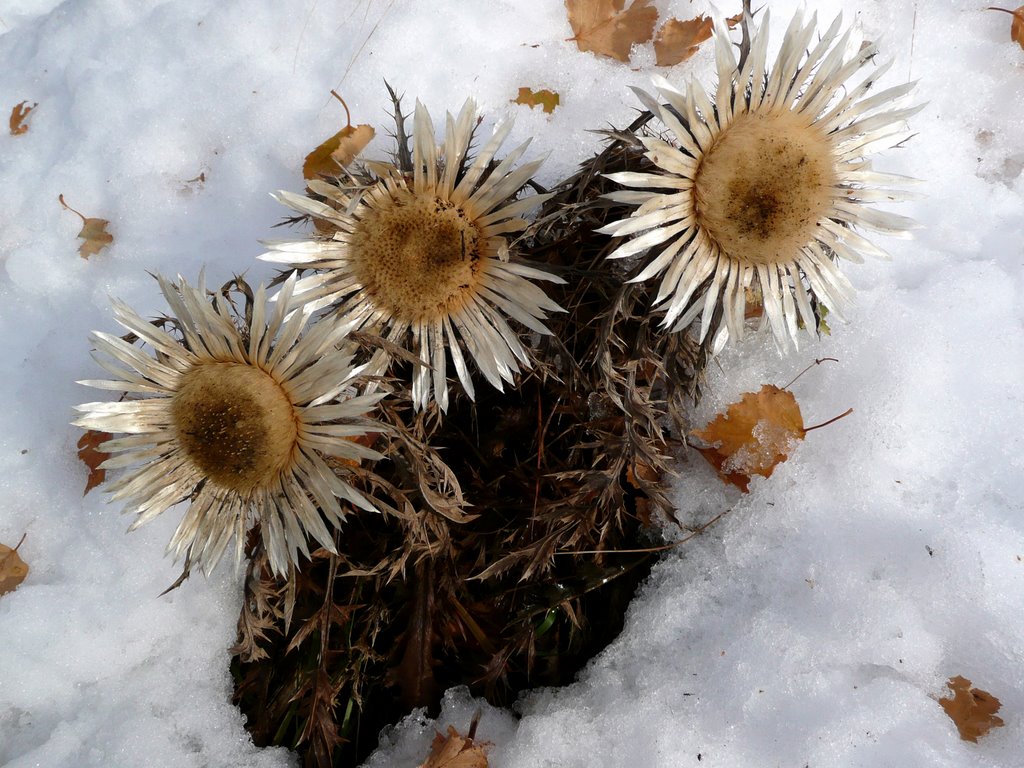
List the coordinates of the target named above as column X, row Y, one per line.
column 425, row 260
column 238, row 422
column 766, row 180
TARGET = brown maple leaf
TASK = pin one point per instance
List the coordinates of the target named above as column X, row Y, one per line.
column 94, row 233
column 1016, row 26
column 972, row 710
column 18, row 116
column 90, row 453
column 608, row 28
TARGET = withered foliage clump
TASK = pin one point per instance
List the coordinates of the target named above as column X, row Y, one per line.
column 498, row 560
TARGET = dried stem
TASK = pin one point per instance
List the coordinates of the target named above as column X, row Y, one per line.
column 817, row 361
column 830, row 421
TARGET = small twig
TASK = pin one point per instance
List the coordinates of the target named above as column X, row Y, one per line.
column 540, row 456
column 474, row 723
column 696, row 532
column 818, row 361
column 373, row 31
column 302, row 33
column 913, row 37
column 830, row 421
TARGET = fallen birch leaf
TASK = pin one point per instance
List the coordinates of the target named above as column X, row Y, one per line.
column 455, row 751
column 608, row 28
column 1016, row 26
column 753, row 435
column 339, row 150
column 94, row 233
column 756, row 434
column 677, row 40
column 89, row 452
column 544, row 98
column 972, row 710
column 18, row 116
column 13, row 569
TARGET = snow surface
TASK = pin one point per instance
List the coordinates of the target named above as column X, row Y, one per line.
column 814, row 625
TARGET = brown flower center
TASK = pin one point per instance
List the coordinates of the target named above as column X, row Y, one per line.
column 764, row 185
column 235, row 423
column 417, row 256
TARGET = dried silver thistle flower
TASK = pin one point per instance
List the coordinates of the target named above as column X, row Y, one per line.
column 424, row 259
column 767, row 180
column 235, row 420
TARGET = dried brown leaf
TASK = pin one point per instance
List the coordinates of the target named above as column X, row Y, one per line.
column 1016, row 26
column 608, row 28
column 339, row 150
column 261, row 610
column 455, row 751
column 677, row 40
column 89, row 452
column 13, row 569
column 754, row 307
column 640, row 474
column 544, row 98
column 753, row 435
column 18, row 115
column 972, row 710
column 368, row 439
column 414, row 674
column 351, row 141
column 94, row 233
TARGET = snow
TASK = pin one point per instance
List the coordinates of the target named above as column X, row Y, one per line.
column 815, row 624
